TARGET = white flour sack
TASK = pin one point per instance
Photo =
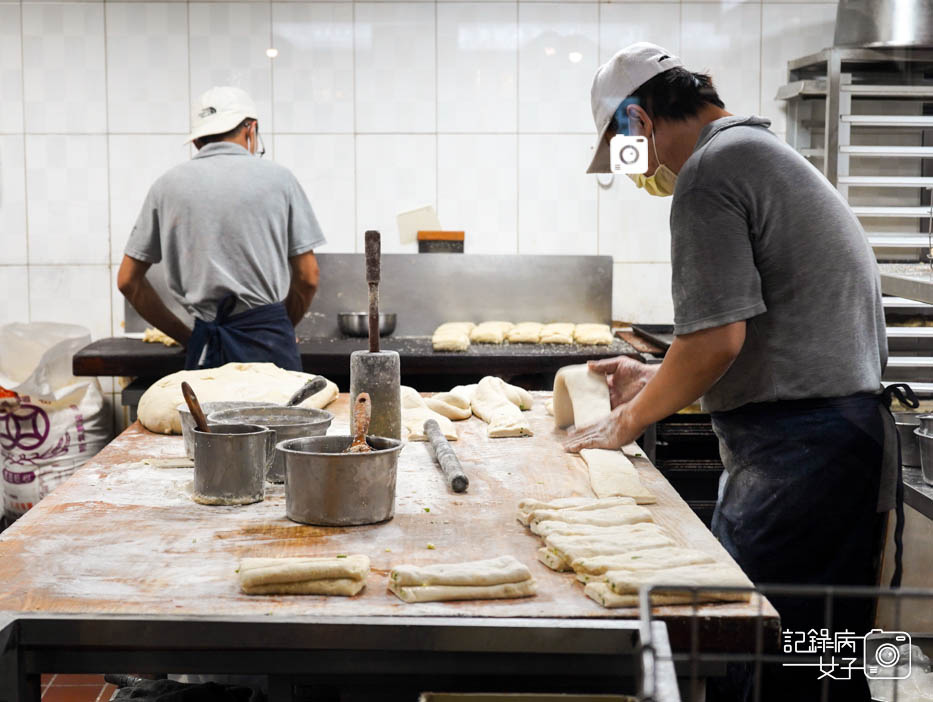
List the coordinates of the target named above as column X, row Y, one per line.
column 61, row 421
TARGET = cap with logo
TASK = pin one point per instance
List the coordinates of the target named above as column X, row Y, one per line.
column 219, row 110
column 616, row 80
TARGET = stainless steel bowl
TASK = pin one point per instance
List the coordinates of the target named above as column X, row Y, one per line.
column 327, row 487
column 906, row 423
column 357, row 323
column 926, row 455
column 187, row 421
column 286, row 422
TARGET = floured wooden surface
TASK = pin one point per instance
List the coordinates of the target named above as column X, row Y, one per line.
column 121, row 537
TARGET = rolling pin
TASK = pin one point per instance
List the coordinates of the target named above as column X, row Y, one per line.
column 446, row 458
column 375, row 371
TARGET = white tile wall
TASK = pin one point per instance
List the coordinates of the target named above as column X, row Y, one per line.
column 147, row 39
column 11, row 69
column 66, row 188
column 64, row 76
column 12, row 200
column 479, row 108
column 395, row 67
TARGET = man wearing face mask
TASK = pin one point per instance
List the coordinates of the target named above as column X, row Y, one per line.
column 779, row 327
column 236, row 236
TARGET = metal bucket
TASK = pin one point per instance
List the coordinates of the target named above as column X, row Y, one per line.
column 230, row 463
column 326, row 487
column 286, row 422
column 926, row 456
column 187, row 421
column 906, row 423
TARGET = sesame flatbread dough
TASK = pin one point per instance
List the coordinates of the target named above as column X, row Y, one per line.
column 304, row 576
column 525, row 333
column 157, row 336
column 610, row 516
column 592, row 334
column 544, row 529
column 573, row 548
column 500, row 405
column 259, row 382
column 557, row 333
column 527, row 506
column 613, row 475
column 621, row 588
column 590, row 569
column 493, row 578
column 552, row 560
column 447, row 593
column 581, row 396
column 415, row 412
column 490, row 332
column 453, row 405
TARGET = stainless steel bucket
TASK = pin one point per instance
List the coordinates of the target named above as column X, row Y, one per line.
column 286, row 422
column 326, row 487
column 187, row 421
column 230, row 463
column 926, row 456
column 906, row 423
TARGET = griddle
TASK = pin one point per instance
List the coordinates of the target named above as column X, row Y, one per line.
column 660, row 334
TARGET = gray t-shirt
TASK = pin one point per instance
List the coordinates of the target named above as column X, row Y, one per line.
column 225, row 222
column 758, row 234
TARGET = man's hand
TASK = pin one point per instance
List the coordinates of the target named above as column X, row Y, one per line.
column 132, row 282
column 626, row 377
column 305, row 279
column 612, row 432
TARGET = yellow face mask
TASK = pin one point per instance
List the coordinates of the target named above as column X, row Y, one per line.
column 661, row 183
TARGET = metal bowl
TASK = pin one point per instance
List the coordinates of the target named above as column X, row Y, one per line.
column 187, row 421
column 357, row 323
column 324, row 486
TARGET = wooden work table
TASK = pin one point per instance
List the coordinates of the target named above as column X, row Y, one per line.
column 124, row 538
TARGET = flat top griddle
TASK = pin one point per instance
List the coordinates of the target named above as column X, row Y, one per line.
column 660, row 334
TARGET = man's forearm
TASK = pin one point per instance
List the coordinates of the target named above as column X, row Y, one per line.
column 690, row 368
column 147, row 302
column 298, row 301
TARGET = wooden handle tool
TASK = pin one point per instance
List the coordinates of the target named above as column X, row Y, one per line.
column 373, row 255
column 195, row 408
column 312, row 387
column 362, row 413
column 446, row 458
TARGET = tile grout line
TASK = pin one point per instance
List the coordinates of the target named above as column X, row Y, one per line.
column 110, row 280
column 22, row 79
column 518, row 179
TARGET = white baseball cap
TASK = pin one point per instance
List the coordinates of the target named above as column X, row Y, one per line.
column 219, row 110
column 616, row 80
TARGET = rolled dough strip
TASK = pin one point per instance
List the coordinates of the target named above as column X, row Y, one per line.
column 490, row 332
column 450, row 341
column 255, row 572
column 706, row 575
column 500, row 405
column 612, row 474
column 450, row 404
column 552, row 560
column 545, row 529
column 558, row 333
column 344, row 587
column 581, row 396
column 525, row 333
column 492, row 571
column 260, row 382
column 442, row 593
column 506, row 421
column 415, row 412
column 599, row 592
column 610, row 516
column 646, row 559
column 527, row 506
column 592, row 334
column 574, row 548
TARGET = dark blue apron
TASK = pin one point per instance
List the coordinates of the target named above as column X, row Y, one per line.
column 799, row 504
column 262, row 334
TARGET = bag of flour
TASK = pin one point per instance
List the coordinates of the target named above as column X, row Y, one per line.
column 61, row 421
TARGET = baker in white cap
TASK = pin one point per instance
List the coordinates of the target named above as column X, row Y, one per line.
column 236, row 236
column 778, row 326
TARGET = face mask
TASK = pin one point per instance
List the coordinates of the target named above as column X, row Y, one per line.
column 661, row 184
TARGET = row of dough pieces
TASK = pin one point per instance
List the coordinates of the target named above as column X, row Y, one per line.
column 493, row 578
column 457, row 336
column 615, row 548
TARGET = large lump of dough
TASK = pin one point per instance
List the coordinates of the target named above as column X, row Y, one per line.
column 259, row 382
column 500, row 405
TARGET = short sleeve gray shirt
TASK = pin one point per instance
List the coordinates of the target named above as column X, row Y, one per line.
column 758, row 234
column 225, row 222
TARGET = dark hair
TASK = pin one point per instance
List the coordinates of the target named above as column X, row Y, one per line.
column 677, row 94
column 212, row 138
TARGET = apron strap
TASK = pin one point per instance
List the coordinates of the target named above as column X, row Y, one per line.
column 906, row 396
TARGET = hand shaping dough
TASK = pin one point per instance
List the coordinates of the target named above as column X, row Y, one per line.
column 477, row 580
column 490, row 332
column 500, row 405
column 581, row 396
column 304, row 576
column 259, row 382
column 612, row 474
column 415, row 412
column 558, row 333
column 525, row 333
column 157, row 336
column 592, row 334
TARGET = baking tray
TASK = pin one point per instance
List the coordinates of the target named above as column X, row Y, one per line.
column 660, row 334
